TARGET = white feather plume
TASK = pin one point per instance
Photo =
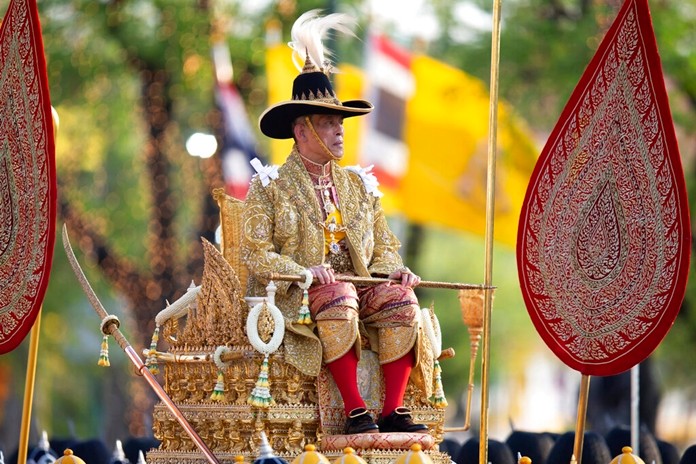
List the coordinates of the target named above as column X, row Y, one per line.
column 308, row 33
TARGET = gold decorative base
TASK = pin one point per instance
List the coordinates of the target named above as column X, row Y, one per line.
column 376, row 456
column 377, row 441
column 305, row 410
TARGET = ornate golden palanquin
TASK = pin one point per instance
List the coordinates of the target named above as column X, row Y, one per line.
column 306, row 410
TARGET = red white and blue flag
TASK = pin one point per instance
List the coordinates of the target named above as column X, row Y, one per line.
column 238, row 140
column 391, row 86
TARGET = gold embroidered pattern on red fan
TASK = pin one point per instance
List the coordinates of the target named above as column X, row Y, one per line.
column 27, row 173
column 603, row 242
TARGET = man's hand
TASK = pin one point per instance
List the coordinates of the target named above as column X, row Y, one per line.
column 408, row 278
column 323, row 273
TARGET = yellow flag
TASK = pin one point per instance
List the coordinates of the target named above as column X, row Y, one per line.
column 446, row 131
column 280, row 72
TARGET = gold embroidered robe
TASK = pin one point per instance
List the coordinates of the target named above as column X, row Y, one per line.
column 282, row 233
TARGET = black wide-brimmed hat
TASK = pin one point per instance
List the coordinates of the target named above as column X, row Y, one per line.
column 312, row 92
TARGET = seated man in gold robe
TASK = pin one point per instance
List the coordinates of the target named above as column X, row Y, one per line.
column 313, row 217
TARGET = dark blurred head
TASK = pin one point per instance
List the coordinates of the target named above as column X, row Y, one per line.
column 594, row 449
column 92, row 451
column 133, row 445
column 536, row 446
column 59, row 445
column 689, row 456
column 620, row 436
column 668, row 452
column 498, row 453
column 450, row 446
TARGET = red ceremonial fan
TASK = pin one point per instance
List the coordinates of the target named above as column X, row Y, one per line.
column 604, row 235
column 27, row 173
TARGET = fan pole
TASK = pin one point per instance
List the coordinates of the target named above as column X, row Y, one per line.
column 490, row 215
column 29, row 389
column 580, row 423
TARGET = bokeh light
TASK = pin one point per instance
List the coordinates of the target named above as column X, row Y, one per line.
column 201, row 145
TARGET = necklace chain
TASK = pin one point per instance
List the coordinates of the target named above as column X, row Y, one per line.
column 324, row 183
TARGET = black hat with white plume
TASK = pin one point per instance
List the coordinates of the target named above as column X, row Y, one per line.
column 312, row 92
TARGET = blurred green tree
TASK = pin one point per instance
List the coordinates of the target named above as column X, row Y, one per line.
column 132, row 79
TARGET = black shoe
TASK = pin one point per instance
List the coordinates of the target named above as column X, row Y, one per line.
column 360, row 421
column 400, row 421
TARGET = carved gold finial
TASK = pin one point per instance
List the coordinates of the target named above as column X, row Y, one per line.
column 69, row 458
column 627, row 457
column 414, row 456
column 471, row 303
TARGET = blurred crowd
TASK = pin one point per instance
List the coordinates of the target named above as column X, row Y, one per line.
column 540, row 447
column 554, row 448
column 92, row 451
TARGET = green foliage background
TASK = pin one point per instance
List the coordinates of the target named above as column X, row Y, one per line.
column 97, row 53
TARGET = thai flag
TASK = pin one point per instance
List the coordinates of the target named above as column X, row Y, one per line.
column 238, row 140
column 391, row 86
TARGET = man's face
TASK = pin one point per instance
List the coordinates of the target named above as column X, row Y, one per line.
column 329, row 128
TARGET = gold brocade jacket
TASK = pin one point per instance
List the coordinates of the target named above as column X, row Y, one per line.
column 282, row 233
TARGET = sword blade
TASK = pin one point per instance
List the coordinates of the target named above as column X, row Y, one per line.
column 130, row 352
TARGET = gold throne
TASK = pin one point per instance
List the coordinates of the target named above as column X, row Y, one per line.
column 210, row 370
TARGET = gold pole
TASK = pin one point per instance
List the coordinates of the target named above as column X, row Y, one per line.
column 29, row 389
column 490, row 214
column 580, row 422
column 192, row 358
column 357, row 280
column 31, row 362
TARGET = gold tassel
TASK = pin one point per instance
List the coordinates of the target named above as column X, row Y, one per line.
column 438, row 399
column 104, row 353
column 219, row 390
column 261, row 394
column 151, row 361
column 304, row 317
